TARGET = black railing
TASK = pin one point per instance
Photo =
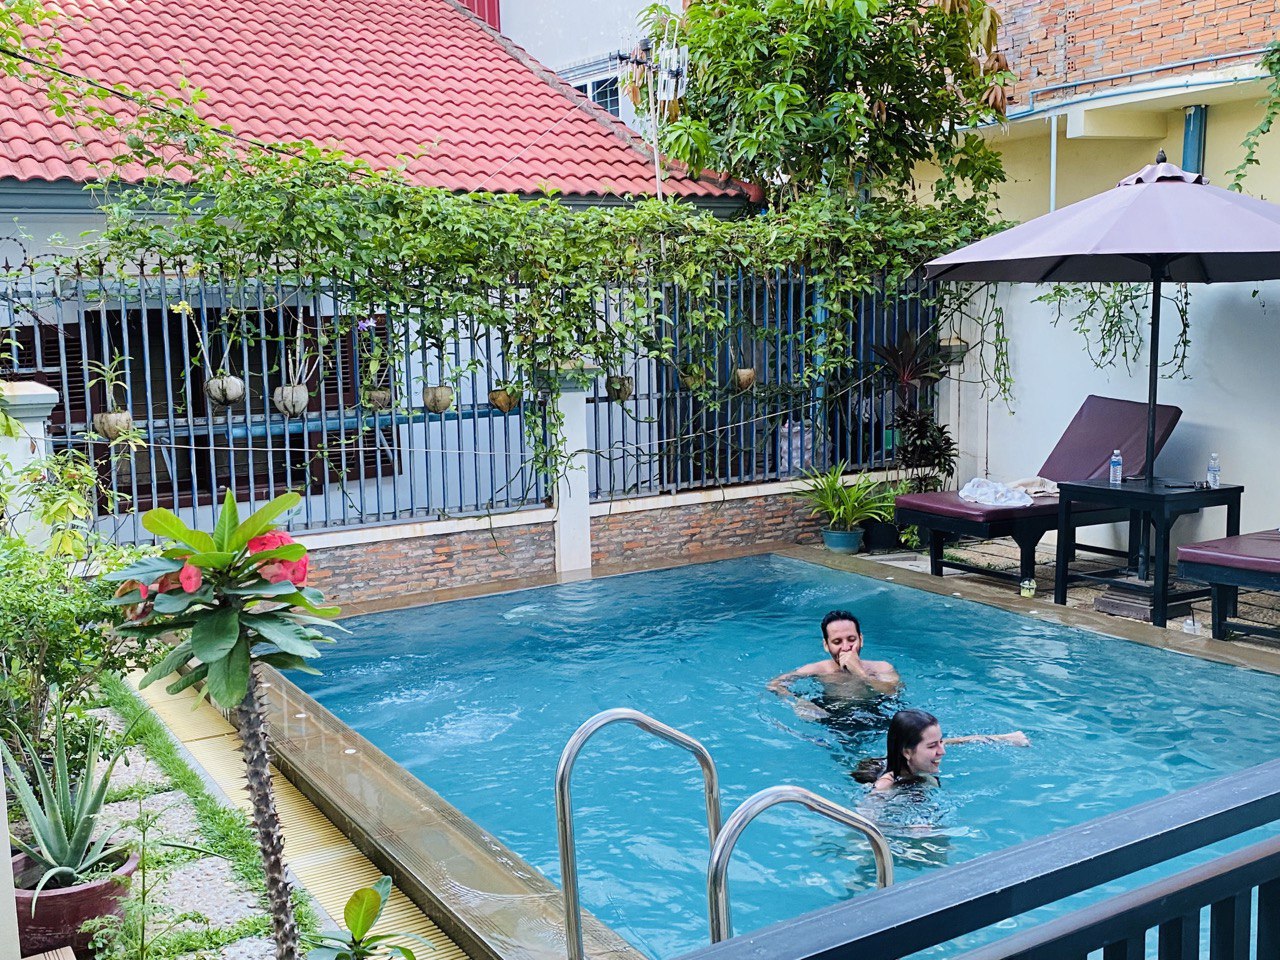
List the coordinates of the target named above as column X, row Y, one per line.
column 893, row 923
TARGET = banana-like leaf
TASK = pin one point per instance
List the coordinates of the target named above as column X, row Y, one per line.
column 225, row 527
column 146, row 570
column 172, row 661
column 289, row 637
column 288, row 661
column 165, row 523
column 229, row 676
column 189, row 679
column 176, row 601
column 212, row 560
column 262, row 520
column 215, row 634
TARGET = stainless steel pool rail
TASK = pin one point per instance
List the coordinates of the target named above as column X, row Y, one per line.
column 752, row 807
column 564, row 804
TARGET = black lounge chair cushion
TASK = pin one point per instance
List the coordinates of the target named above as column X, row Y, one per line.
column 949, row 504
column 1249, row 551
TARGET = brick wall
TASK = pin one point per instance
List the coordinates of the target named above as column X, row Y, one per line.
column 1054, row 41
column 690, row 530
column 371, row 571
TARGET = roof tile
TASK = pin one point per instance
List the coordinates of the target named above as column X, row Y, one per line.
column 403, row 75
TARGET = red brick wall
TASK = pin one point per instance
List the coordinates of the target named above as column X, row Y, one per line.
column 688, row 531
column 1055, row 41
column 371, row 571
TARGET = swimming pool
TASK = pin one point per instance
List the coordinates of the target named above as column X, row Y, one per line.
column 477, row 698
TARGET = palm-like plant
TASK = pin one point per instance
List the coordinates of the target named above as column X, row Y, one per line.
column 238, row 597
column 62, row 808
column 845, row 506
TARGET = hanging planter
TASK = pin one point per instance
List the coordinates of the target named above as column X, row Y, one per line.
column 113, row 424
column 504, row 400
column 619, row 388
column 744, row 378
column 437, row 399
column 377, row 398
column 291, row 399
column 224, row 390
column 691, row 378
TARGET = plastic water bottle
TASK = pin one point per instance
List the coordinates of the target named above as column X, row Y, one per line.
column 1117, row 468
column 1214, row 473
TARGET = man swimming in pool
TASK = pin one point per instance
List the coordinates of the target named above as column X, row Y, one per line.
column 844, row 671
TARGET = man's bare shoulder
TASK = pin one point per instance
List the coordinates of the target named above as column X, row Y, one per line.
column 879, row 666
column 816, row 668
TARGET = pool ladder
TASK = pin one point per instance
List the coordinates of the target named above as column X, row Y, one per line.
column 723, row 838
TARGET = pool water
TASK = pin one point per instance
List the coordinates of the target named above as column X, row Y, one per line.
column 478, row 697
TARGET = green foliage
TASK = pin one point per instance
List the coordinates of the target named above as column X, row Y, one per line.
column 836, row 96
column 357, row 942
column 924, row 449
column 845, row 506
column 62, row 811
column 55, row 633
column 1271, row 110
column 239, row 595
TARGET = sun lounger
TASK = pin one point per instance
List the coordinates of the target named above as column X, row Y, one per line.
column 1251, row 560
column 1083, row 453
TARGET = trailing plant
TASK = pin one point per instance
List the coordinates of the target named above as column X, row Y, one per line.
column 1113, row 319
column 845, row 505
column 358, row 942
column 1270, row 110
column 67, row 845
column 237, row 598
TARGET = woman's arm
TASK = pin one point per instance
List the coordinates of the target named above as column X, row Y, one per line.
column 1017, row 739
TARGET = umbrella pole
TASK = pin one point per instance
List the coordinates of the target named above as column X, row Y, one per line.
column 1153, row 376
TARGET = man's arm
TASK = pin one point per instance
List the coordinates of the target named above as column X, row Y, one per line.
column 803, row 708
column 877, row 674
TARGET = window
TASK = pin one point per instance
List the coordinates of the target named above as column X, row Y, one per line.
column 603, row 92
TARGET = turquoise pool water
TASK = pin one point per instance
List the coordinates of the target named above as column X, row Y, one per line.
column 477, row 698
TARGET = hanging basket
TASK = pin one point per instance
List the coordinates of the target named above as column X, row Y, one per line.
column 113, row 424
column 619, row 388
column 437, row 399
column 744, row 378
column 377, row 398
column 504, row 400
column 225, row 390
column 291, row 399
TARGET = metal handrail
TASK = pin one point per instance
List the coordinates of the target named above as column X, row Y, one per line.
column 564, row 804
column 753, row 806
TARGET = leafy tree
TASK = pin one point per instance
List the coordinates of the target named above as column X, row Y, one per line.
column 236, row 598
column 800, row 96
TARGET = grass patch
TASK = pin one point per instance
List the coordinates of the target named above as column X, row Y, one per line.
column 224, row 831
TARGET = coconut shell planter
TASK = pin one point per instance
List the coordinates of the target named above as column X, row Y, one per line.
column 113, row 424
column 504, row 400
column 619, row 388
column 224, row 391
column 291, row 399
column 377, row 398
column 437, row 399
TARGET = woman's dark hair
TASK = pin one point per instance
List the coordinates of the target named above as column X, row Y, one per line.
column 906, row 730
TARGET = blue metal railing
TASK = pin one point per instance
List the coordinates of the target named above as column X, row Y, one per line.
column 361, row 459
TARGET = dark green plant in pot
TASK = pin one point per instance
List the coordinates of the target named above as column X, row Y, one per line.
column 237, row 598
column 925, row 450
column 359, row 942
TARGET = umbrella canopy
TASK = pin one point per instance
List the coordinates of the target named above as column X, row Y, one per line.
column 1158, row 224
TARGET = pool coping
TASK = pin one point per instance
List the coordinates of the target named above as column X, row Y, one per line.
column 484, row 895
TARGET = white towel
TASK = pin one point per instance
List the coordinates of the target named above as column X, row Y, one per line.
column 1036, row 486
column 979, row 490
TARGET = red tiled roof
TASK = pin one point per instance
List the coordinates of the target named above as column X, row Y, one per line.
column 379, row 79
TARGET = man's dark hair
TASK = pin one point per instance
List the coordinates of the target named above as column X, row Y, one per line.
column 837, row 615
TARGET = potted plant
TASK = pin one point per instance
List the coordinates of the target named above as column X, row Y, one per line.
column 884, row 536
column 504, row 399
column 910, row 363
column 925, row 450
column 116, row 420
column 844, row 507
column 70, row 871
column 373, row 354
column 363, row 910
column 299, row 365
column 437, row 399
column 223, row 388
column 619, row 387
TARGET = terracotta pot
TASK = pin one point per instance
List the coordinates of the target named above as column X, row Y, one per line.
column 113, row 424
column 224, row 391
column 59, row 913
column 291, row 399
column 619, row 388
column 377, row 398
column 437, row 399
column 504, row 400
column 744, row 378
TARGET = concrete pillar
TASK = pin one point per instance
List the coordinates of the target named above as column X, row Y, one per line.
column 30, row 404
column 573, row 491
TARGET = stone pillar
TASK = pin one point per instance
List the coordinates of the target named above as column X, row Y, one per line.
column 573, row 490
column 30, row 404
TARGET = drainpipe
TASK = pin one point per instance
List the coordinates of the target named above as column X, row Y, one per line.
column 1053, row 163
column 1193, row 126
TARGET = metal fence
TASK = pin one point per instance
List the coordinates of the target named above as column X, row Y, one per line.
column 319, row 415
column 758, row 418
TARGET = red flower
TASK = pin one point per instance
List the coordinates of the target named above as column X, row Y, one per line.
column 138, row 610
column 275, row 571
column 190, row 577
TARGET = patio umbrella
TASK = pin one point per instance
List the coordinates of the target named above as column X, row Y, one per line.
column 1159, row 224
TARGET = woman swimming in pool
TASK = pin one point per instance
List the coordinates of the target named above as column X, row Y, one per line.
column 916, row 747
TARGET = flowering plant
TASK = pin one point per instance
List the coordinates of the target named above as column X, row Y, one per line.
column 236, row 598
column 373, row 352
